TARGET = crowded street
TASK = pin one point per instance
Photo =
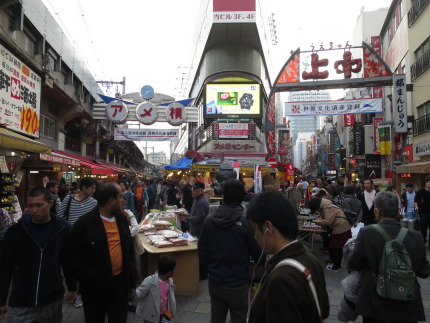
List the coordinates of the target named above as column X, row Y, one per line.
column 243, row 161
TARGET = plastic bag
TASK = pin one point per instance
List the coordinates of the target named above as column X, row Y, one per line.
column 356, row 229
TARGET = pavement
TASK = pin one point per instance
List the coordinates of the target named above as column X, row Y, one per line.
column 191, row 309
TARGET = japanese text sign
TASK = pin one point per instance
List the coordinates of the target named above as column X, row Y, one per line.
column 146, row 113
column 373, row 166
column 116, row 111
column 400, row 105
column 176, row 114
column 333, row 107
column 348, row 120
column 233, row 130
column 147, row 134
column 20, row 90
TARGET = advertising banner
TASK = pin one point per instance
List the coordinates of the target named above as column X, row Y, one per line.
column 408, row 151
column 147, row 134
column 373, row 166
column 359, row 140
column 233, row 130
column 284, row 142
column 348, row 120
column 384, row 133
column 376, row 122
column 20, row 90
column 224, row 100
column 333, row 107
column 400, row 104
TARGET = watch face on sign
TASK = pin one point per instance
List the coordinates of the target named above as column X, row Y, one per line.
column 147, row 92
column 246, row 101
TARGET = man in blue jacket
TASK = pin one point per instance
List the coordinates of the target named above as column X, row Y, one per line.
column 226, row 246
column 31, row 259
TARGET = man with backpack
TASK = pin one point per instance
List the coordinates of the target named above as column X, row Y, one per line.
column 389, row 289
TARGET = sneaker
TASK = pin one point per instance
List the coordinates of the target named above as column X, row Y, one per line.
column 78, row 302
column 332, row 268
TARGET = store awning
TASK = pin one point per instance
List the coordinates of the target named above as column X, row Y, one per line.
column 58, row 157
column 97, row 169
column 414, row 168
column 117, row 168
column 183, row 163
column 14, row 141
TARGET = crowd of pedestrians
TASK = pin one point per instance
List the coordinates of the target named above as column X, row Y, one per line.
column 82, row 239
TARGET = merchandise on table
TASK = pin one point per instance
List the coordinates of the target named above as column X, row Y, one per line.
column 161, row 224
column 154, row 238
column 168, row 234
column 163, row 244
column 179, row 242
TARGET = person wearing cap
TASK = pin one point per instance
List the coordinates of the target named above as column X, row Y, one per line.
column 199, row 209
column 422, row 205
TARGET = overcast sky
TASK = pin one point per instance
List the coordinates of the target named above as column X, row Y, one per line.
column 150, row 42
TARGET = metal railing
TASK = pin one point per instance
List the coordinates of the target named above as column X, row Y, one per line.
column 422, row 125
column 420, row 66
column 416, row 10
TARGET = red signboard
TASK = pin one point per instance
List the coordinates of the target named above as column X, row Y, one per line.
column 408, row 151
column 348, row 120
column 272, row 162
column 237, row 5
column 289, row 172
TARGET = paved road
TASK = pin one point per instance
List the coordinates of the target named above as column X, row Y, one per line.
column 197, row 309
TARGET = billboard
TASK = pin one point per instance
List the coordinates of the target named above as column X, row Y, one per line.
column 20, row 89
column 232, row 101
column 239, row 11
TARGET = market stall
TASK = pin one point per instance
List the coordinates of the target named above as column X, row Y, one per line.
column 186, row 275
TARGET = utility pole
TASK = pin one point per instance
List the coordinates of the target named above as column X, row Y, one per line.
column 109, row 84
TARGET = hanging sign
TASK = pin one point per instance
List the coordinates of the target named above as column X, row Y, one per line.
column 373, row 166
column 289, row 172
column 147, row 134
column 258, row 180
column 146, row 113
column 400, row 104
column 384, row 133
column 333, row 107
column 176, row 114
column 116, row 111
column 376, row 122
column 408, row 151
column 348, row 120
column 359, row 140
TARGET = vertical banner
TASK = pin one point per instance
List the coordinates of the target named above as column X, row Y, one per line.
column 368, row 118
column 400, row 105
column 284, row 142
column 376, row 122
column 373, row 166
column 258, row 182
column 408, row 151
column 348, row 120
column 385, row 139
column 359, row 148
column 289, row 172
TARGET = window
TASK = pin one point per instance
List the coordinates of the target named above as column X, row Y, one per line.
column 401, row 9
column 425, row 47
column 48, row 127
column 423, row 109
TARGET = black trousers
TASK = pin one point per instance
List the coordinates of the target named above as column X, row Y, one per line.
column 336, row 255
column 111, row 303
column 424, row 225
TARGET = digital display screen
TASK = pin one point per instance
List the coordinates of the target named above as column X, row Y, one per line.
column 232, row 101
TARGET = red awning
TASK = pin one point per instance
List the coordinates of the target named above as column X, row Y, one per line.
column 97, row 169
column 117, row 168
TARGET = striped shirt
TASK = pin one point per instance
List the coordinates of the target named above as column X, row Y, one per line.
column 77, row 208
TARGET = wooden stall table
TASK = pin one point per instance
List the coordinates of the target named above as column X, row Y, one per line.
column 186, row 276
column 306, row 236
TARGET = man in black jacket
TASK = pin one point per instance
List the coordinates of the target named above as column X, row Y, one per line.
column 225, row 247
column 366, row 256
column 366, row 197
column 100, row 254
column 32, row 258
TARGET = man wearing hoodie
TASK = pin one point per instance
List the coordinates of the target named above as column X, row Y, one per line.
column 31, row 262
column 53, row 188
column 225, row 247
